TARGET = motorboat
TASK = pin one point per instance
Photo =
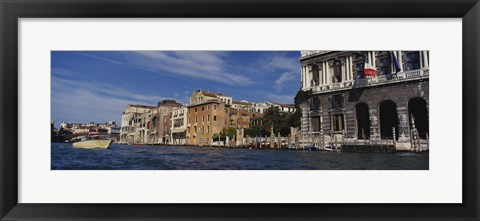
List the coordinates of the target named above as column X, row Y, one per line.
column 330, row 147
column 94, row 141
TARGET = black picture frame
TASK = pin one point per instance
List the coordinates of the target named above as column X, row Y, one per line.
column 12, row 10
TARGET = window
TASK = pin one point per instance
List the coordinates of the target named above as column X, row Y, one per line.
column 208, row 118
column 208, row 129
column 337, row 71
column 214, row 118
column 384, row 63
column 337, row 101
column 337, row 122
column 315, row 103
column 316, row 75
column 359, row 70
column 195, row 110
column 412, row 60
column 203, row 108
column 214, row 107
column 203, row 118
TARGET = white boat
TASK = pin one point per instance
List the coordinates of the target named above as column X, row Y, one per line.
column 329, row 147
column 94, row 142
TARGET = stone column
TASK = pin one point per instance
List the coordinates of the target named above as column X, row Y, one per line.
column 309, row 76
column 374, row 60
column 303, row 76
column 347, row 71
column 400, row 60
column 420, row 58
column 324, row 70
column 343, row 69
column 403, row 126
column 425, row 57
column 328, row 73
column 374, row 124
column 350, row 67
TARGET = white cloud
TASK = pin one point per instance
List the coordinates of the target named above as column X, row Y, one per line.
column 206, row 65
column 285, row 77
column 281, row 62
column 62, row 72
column 92, row 101
column 101, row 58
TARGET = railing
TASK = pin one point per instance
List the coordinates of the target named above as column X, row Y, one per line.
column 337, row 85
column 381, row 79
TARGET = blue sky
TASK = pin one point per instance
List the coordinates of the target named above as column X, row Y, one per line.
column 97, row 85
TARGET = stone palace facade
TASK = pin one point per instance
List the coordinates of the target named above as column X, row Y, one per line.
column 349, row 106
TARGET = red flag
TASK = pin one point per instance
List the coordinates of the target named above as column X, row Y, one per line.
column 369, row 70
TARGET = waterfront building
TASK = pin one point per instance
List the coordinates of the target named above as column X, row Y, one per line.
column 134, row 122
column 372, row 96
column 143, row 124
column 159, row 124
column 204, row 120
column 179, row 118
column 239, row 117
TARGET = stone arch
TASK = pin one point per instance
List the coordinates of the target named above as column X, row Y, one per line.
column 417, row 108
column 388, row 119
column 362, row 120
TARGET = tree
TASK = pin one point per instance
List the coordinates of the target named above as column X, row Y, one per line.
column 229, row 132
column 302, row 96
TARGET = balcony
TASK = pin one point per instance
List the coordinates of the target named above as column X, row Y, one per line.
column 373, row 81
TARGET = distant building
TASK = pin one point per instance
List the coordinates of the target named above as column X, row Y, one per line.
column 262, row 107
column 199, row 96
column 366, row 95
column 81, row 129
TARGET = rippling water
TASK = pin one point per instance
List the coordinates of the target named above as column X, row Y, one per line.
column 124, row 157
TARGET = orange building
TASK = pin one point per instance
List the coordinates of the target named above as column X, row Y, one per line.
column 205, row 120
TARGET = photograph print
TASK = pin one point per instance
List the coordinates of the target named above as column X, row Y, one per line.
column 240, row 110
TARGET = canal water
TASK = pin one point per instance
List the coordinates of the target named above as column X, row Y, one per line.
column 124, row 157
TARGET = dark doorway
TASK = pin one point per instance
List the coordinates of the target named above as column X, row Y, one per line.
column 388, row 119
column 363, row 121
column 417, row 107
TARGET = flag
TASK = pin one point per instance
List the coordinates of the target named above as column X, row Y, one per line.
column 369, row 70
column 397, row 64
